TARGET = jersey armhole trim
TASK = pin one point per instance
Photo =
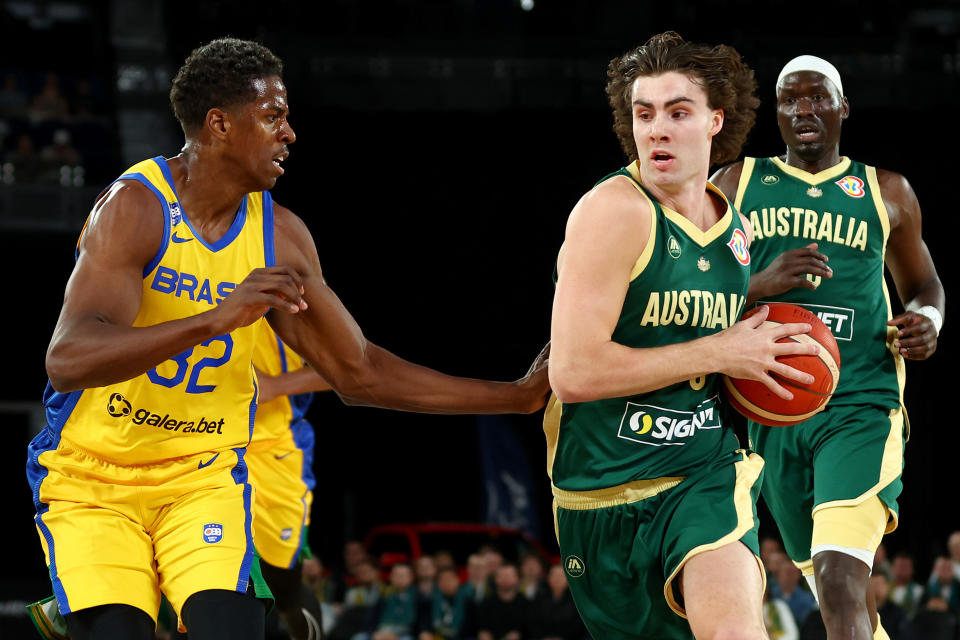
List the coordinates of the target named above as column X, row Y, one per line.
column 269, row 248
column 147, row 270
column 745, row 174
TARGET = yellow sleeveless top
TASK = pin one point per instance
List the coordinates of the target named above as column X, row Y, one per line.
column 274, row 418
column 203, row 399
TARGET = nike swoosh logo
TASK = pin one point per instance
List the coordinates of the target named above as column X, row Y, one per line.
column 283, row 456
column 177, row 238
column 208, row 462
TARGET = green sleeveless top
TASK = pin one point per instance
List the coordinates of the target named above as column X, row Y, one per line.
column 686, row 284
column 842, row 211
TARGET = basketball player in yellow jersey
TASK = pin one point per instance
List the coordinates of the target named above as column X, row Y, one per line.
column 280, row 461
column 139, row 478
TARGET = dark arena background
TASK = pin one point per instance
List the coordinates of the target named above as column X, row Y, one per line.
column 441, row 146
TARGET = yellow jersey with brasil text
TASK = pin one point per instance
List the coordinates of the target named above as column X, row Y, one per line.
column 203, row 399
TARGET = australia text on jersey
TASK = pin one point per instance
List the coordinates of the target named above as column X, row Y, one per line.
column 817, row 226
column 693, row 307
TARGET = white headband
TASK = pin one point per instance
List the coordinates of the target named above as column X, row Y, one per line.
column 812, row 63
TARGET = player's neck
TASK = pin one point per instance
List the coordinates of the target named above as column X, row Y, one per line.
column 690, row 199
column 813, row 164
column 205, row 185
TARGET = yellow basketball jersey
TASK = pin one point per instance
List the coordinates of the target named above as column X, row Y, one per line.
column 204, row 398
column 273, row 357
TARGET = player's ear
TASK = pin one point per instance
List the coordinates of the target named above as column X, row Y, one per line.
column 218, row 123
column 844, row 108
column 716, row 123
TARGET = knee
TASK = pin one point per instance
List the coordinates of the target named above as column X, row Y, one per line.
column 840, row 593
column 735, row 630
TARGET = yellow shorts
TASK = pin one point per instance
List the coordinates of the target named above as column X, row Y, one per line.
column 121, row 535
column 282, row 507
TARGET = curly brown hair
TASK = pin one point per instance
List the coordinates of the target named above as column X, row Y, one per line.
column 219, row 74
column 728, row 82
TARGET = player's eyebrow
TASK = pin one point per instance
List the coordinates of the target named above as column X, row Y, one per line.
column 668, row 103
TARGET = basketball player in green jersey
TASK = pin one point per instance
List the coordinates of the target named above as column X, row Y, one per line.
column 824, row 226
column 655, row 502
column 140, row 314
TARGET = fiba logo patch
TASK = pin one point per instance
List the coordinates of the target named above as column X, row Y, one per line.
column 852, row 186
column 770, row 179
column 117, row 406
column 673, row 247
column 175, row 214
column 738, row 245
column 212, row 533
column 574, row 566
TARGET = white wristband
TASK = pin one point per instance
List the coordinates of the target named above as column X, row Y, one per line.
column 930, row 312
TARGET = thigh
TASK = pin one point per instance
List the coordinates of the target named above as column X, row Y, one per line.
column 282, row 505
column 97, row 550
column 112, row 621
column 611, row 558
column 217, row 614
column 788, row 484
column 723, row 589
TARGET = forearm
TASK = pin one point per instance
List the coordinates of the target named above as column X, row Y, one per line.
column 95, row 353
column 303, row 380
column 387, row 381
column 612, row 370
column 757, row 289
column 929, row 293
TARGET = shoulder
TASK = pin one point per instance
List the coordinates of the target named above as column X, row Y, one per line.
column 293, row 242
column 727, row 178
column 898, row 198
column 616, row 202
column 127, row 214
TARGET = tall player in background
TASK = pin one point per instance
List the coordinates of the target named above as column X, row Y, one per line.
column 824, row 226
column 139, row 477
column 280, row 462
column 655, row 502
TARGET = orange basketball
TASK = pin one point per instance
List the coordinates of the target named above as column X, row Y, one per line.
column 756, row 402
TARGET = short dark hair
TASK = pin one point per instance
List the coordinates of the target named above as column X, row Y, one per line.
column 219, row 74
column 727, row 81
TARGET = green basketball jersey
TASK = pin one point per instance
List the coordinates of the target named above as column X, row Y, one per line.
column 841, row 210
column 686, row 284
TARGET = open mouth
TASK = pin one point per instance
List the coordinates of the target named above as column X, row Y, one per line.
column 661, row 158
column 807, row 133
column 278, row 160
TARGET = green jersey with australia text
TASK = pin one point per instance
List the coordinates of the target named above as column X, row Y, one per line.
column 842, row 211
column 686, row 284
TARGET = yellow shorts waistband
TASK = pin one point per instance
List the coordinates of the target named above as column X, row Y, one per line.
column 613, row 496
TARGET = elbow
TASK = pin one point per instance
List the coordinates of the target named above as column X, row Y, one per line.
column 62, row 379
column 354, row 387
column 568, row 386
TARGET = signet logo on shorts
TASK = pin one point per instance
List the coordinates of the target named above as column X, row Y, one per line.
column 212, row 533
column 574, row 566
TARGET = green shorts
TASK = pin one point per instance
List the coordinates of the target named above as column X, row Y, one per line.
column 840, row 457
column 623, row 547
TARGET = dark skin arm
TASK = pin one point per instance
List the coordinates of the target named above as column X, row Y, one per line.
column 790, row 268
column 94, row 343
column 303, row 380
column 362, row 373
column 911, row 266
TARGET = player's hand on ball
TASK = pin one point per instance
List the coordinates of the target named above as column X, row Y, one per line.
column 750, row 350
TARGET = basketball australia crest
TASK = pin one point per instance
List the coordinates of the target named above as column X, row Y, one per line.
column 738, row 245
column 852, row 186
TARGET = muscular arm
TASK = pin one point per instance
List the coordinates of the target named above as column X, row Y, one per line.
column 606, row 234
column 362, row 373
column 94, row 343
column 790, row 268
column 911, row 266
column 302, row 380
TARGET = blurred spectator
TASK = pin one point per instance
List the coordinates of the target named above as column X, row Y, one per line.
column 493, row 558
column 769, row 545
column 504, row 614
column 904, row 592
column 531, row 576
column 27, row 163
column 795, row 595
column 944, row 585
column 13, row 101
column 774, row 560
column 61, row 152
column 934, row 621
column 396, row 612
column 444, row 560
column 777, row 617
column 425, row 570
column 953, row 548
column 881, row 562
column 344, row 576
column 49, row 104
column 367, row 589
column 316, row 577
column 84, row 104
column 476, row 587
column 451, row 612
column 554, row 616
column 894, row 618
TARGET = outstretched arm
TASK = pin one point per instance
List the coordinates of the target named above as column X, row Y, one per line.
column 788, row 270
column 606, row 234
column 912, row 269
column 94, row 342
column 303, row 380
column 362, row 373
